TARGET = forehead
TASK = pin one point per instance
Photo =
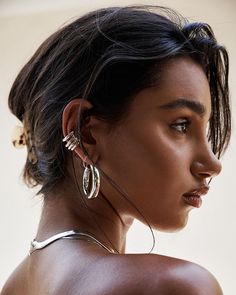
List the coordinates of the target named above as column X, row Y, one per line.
column 180, row 78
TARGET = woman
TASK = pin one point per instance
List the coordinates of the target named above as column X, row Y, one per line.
column 125, row 115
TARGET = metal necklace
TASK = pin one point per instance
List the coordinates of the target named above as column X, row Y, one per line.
column 71, row 234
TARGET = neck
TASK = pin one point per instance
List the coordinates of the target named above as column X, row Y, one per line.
column 97, row 216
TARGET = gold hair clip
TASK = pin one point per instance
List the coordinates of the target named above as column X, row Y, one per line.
column 19, row 137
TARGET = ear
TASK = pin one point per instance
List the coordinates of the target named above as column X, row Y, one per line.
column 72, row 114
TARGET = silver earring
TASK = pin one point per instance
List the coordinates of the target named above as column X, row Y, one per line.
column 90, row 170
column 71, row 141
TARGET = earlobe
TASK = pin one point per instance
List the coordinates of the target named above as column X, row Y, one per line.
column 73, row 144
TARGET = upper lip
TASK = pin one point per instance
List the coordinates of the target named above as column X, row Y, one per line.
column 203, row 190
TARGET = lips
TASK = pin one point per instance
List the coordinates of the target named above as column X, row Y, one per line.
column 193, row 198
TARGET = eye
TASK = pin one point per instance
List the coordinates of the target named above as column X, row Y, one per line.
column 181, row 126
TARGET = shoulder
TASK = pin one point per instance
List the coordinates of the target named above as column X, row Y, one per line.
column 189, row 278
column 15, row 281
column 149, row 274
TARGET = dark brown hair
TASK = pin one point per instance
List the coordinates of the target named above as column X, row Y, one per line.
column 107, row 56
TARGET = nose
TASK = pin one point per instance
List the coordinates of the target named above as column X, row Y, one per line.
column 206, row 164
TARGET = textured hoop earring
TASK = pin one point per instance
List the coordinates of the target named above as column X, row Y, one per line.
column 71, row 141
column 90, row 170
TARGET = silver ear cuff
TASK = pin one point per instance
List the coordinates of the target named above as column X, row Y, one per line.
column 91, row 176
column 71, row 141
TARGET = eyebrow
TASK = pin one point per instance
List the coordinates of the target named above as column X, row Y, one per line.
column 182, row 103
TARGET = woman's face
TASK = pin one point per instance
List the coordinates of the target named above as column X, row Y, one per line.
column 161, row 151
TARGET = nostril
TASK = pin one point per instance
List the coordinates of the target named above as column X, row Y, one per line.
column 206, row 174
column 205, row 169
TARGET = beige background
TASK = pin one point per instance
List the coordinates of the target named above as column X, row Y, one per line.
column 209, row 238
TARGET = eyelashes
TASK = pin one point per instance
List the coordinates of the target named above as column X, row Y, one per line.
column 181, row 126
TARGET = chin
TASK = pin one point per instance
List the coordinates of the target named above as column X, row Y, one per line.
column 172, row 226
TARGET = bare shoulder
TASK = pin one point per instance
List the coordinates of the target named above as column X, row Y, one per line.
column 149, row 274
column 17, row 278
column 181, row 277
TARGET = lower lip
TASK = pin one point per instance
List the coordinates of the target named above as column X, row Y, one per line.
column 193, row 200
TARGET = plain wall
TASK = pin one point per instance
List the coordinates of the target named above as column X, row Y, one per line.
column 208, row 239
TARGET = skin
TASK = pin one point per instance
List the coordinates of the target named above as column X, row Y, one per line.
column 155, row 155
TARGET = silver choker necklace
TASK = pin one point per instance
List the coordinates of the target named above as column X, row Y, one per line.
column 71, row 234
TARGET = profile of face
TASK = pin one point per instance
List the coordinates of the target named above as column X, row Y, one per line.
column 160, row 150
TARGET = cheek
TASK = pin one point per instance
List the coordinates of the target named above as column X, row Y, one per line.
column 146, row 161
column 153, row 171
